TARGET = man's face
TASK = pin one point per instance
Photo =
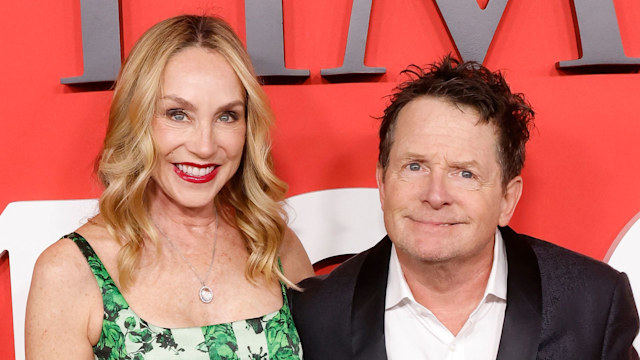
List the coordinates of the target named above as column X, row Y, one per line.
column 442, row 194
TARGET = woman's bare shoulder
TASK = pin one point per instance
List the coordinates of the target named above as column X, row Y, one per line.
column 64, row 299
column 64, row 255
column 61, row 260
column 63, row 266
column 295, row 261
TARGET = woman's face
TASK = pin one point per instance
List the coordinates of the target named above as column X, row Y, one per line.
column 199, row 128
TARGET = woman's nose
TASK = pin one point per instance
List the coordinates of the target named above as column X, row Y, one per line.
column 202, row 141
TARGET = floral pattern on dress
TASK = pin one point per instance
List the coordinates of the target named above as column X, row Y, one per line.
column 126, row 336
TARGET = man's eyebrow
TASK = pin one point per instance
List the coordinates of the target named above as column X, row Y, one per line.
column 464, row 164
column 414, row 156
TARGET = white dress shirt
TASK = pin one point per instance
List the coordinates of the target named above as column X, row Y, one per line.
column 413, row 332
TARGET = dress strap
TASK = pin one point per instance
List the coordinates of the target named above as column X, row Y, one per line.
column 83, row 244
column 106, row 284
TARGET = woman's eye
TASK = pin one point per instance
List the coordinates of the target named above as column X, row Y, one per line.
column 177, row 114
column 227, row 117
column 414, row 167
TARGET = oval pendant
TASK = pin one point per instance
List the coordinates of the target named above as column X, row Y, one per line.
column 206, row 294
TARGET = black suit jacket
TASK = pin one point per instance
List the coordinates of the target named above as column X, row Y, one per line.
column 560, row 305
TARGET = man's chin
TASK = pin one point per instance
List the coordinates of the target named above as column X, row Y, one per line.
column 426, row 254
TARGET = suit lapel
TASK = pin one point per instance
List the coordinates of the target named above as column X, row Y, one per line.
column 523, row 317
column 367, row 314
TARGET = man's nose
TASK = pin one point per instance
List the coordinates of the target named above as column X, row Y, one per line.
column 436, row 191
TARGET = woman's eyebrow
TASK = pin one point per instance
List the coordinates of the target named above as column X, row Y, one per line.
column 180, row 101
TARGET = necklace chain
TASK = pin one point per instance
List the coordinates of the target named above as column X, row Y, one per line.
column 205, row 292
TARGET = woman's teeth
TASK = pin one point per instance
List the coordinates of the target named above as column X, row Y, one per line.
column 195, row 171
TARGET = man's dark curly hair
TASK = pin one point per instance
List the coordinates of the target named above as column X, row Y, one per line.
column 471, row 84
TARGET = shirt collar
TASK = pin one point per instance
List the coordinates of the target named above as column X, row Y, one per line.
column 398, row 290
column 497, row 284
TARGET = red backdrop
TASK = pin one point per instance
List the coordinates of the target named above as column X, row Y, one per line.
column 581, row 176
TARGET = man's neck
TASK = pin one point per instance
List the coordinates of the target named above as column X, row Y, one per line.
column 451, row 290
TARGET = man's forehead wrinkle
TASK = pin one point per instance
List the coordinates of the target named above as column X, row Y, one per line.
column 461, row 163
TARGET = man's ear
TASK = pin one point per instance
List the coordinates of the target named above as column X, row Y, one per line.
column 510, row 199
column 380, row 181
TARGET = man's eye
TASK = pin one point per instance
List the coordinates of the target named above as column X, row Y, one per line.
column 466, row 174
column 414, row 166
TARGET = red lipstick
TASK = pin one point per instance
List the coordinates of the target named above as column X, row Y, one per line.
column 197, row 179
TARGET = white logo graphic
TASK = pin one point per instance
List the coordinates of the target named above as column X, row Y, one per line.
column 25, row 242
column 336, row 222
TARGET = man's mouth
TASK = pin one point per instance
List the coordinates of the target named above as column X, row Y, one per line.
column 436, row 222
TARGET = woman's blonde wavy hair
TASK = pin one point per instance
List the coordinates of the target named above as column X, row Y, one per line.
column 251, row 200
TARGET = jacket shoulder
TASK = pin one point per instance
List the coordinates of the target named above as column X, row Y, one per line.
column 587, row 305
column 331, row 287
column 556, row 260
column 322, row 311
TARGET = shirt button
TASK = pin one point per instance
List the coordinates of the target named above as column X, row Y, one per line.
column 452, row 347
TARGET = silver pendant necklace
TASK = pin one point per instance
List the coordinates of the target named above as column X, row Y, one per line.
column 205, row 293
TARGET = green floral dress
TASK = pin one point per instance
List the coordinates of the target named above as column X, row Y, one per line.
column 126, row 336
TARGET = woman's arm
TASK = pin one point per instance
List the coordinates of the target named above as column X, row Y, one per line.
column 62, row 303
